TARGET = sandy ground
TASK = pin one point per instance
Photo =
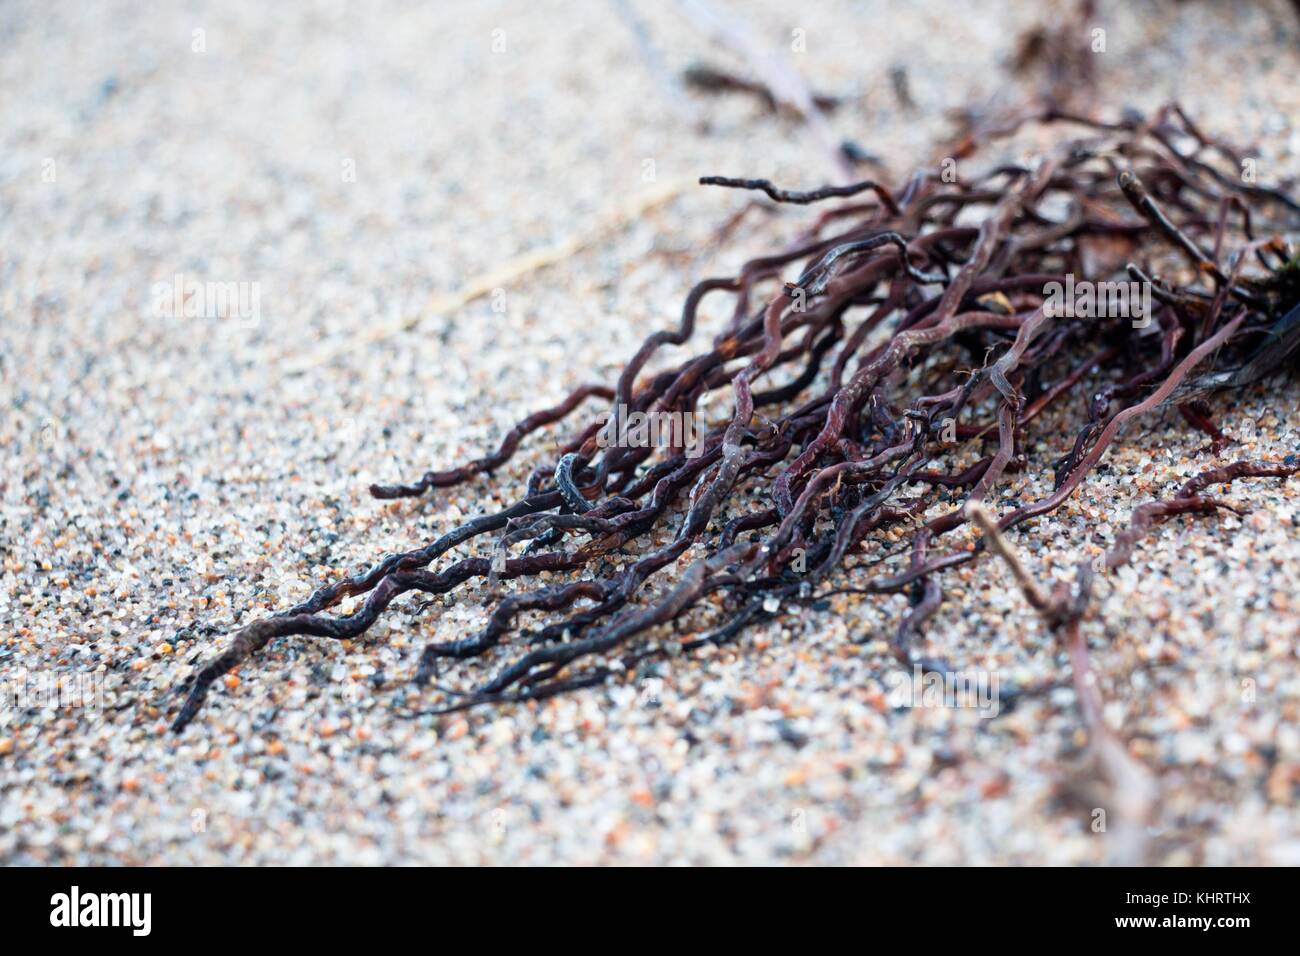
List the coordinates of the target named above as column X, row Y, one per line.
column 167, row 478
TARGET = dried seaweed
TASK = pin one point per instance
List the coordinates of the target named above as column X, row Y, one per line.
column 922, row 353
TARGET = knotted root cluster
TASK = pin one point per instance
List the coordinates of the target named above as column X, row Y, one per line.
column 901, row 376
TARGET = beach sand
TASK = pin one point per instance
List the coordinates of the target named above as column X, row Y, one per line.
column 358, row 167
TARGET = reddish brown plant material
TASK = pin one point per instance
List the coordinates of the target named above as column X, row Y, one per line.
column 911, row 362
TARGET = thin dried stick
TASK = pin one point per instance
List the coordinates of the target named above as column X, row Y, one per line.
column 510, row 271
column 1134, row 790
